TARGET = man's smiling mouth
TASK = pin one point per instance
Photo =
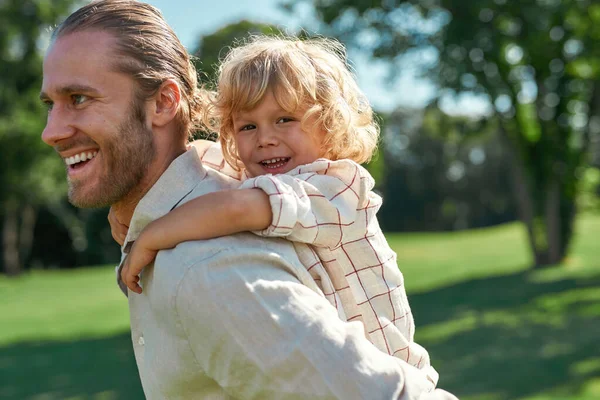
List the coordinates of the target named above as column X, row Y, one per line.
column 274, row 163
column 80, row 159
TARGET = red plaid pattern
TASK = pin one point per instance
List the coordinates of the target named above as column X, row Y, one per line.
column 330, row 206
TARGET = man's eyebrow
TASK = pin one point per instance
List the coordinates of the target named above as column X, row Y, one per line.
column 68, row 90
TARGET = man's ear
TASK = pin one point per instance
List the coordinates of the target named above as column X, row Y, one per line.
column 166, row 103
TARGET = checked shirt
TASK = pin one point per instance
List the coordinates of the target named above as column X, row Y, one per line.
column 330, row 206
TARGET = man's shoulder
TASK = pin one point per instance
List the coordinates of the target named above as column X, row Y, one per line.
column 194, row 272
column 220, row 179
column 228, row 253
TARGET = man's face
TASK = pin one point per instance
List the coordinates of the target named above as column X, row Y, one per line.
column 95, row 123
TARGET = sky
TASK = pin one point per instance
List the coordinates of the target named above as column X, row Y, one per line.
column 192, row 18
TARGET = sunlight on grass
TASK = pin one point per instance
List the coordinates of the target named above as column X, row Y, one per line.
column 108, row 395
column 586, row 367
column 589, row 391
column 446, row 330
column 62, row 304
column 494, row 328
column 430, row 260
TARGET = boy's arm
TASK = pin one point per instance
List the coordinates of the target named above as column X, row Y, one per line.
column 212, row 215
column 324, row 203
column 209, row 216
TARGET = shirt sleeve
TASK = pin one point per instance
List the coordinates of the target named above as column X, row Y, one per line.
column 260, row 333
column 325, row 203
column 213, row 158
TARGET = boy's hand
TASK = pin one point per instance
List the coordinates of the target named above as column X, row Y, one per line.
column 139, row 257
column 118, row 230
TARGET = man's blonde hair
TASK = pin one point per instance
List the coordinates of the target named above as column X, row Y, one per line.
column 309, row 76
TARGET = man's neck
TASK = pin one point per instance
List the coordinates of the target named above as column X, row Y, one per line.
column 123, row 209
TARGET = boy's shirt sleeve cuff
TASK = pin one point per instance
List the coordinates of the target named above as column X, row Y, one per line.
column 283, row 205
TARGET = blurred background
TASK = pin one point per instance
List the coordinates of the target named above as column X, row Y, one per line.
column 488, row 166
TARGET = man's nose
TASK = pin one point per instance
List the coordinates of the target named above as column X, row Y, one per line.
column 57, row 127
column 267, row 137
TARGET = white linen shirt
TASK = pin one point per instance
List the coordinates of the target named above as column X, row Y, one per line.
column 239, row 317
column 331, row 206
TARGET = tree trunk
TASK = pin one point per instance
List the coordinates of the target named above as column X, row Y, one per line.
column 10, row 239
column 553, row 222
column 524, row 202
column 524, row 199
column 28, row 217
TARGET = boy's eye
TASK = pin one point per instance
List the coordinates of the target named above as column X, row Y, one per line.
column 283, row 120
column 247, row 127
column 78, row 98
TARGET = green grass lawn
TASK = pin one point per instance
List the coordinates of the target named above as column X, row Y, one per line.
column 494, row 328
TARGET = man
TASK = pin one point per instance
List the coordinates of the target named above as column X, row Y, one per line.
column 234, row 317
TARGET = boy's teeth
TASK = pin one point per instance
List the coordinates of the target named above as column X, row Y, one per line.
column 84, row 156
column 273, row 160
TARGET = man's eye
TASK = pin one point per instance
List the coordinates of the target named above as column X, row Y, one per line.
column 78, row 98
column 48, row 105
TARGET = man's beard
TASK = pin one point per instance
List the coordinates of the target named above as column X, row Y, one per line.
column 127, row 157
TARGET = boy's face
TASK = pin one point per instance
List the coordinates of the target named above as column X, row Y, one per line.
column 270, row 140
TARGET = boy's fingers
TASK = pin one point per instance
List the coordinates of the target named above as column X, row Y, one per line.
column 135, row 287
column 124, row 272
column 132, row 284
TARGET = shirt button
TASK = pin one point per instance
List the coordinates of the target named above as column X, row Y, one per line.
column 141, row 341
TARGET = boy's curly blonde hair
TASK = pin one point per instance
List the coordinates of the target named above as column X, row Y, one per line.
column 309, row 76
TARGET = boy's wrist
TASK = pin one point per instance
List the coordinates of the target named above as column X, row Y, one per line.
column 148, row 238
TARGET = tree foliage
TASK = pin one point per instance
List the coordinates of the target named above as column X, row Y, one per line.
column 535, row 61
column 435, row 179
column 211, row 48
column 30, row 172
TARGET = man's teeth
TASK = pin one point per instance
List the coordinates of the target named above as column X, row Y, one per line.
column 80, row 157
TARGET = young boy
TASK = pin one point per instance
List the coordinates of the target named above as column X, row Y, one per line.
column 293, row 127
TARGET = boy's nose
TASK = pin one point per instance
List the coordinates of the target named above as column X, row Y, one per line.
column 267, row 137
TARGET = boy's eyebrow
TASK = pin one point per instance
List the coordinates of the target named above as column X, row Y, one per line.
column 70, row 89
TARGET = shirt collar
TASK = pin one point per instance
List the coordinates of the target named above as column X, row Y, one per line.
column 180, row 178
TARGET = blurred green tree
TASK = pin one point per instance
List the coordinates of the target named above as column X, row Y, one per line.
column 439, row 177
column 211, row 48
column 537, row 64
column 589, row 196
column 30, row 172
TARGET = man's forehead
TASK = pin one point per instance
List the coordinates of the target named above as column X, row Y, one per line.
column 79, row 60
column 88, row 42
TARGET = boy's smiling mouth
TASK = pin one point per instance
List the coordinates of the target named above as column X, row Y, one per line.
column 275, row 163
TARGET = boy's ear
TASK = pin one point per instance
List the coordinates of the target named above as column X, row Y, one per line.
column 166, row 103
